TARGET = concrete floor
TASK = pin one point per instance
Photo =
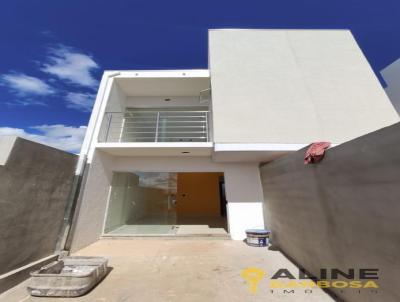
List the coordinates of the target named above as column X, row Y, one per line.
column 164, row 229
column 148, row 270
column 173, row 225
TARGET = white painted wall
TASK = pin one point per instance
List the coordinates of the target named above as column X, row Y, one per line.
column 112, row 97
column 90, row 215
column 116, row 100
column 245, row 215
column 90, row 139
column 244, row 190
column 6, row 146
column 129, row 201
column 293, row 86
column 391, row 75
column 159, row 101
column 96, row 118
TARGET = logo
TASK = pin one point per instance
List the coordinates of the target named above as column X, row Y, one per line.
column 253, row 276
column 285, row 281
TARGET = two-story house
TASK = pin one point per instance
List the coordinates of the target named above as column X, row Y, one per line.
column 177, row 152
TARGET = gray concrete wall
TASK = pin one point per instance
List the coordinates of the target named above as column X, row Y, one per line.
column 35, row 183
column 343, row 212
column 293, row 86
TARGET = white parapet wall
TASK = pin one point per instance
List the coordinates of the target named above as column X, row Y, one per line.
column 6, row 146
column 243, row 216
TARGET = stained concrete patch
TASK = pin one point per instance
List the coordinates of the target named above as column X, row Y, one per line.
column 179, row 270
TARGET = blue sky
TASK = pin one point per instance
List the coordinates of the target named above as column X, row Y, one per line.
column 53, row 52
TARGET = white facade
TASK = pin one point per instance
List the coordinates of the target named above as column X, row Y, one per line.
column 293, row 87
column 268, row 92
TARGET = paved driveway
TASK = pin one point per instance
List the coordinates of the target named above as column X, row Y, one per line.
column 180, row 270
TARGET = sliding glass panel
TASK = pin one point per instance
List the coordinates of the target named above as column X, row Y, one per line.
column 166, row 203
column 142, row 203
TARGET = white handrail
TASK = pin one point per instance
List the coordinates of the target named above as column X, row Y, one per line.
column 159, row 126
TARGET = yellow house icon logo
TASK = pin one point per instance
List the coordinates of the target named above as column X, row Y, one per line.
column 253, row 276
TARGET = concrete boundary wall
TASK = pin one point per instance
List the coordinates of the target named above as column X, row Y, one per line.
column 341, row 213
column 35, row 182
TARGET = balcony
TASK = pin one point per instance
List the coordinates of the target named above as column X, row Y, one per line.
column 156, row 126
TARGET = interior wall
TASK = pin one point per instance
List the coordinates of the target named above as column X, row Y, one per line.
column 135, row 206
column 152, row 202
column 120, row 207
column 116, row 204
column 198, row 194
column 129, row 202
column 342, row 212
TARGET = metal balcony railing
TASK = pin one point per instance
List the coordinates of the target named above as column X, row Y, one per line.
column 155, row 126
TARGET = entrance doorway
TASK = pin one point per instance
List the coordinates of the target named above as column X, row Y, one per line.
column 167, row 203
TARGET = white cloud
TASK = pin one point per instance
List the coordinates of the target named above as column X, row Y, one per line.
column 68, row 64
column 80, row 101
column 23, row 84
column 25, row 102
column 11, row 131
column 58, row 136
